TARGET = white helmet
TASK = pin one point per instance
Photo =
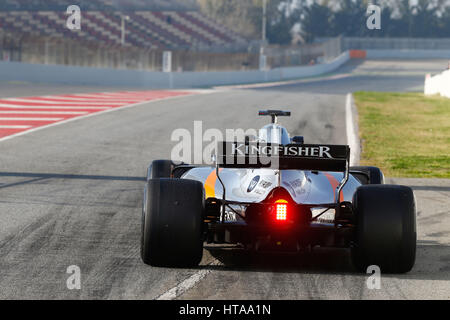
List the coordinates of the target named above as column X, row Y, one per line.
column 274, row 133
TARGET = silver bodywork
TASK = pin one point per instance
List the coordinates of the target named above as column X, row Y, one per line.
column 254, row 185
column 305, row 187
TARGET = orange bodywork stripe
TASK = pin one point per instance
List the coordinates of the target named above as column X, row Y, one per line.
column 210, row 185
column 334, row 184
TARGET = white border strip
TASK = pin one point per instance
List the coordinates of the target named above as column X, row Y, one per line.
column 352, row 135
column 29, row 119
column 186, row 284
column 43, row 112
column 51, row 107
column 65, row 103
column 13, row 127
column 310, row 79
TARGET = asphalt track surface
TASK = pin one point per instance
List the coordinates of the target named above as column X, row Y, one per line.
column 71, row 195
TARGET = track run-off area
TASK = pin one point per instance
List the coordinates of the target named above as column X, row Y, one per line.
column 72, row 178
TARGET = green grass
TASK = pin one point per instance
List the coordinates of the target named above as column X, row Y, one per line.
column 405, row 134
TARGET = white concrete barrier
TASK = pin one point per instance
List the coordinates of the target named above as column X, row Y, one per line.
column 56, row 74
column 407, row 54
column 439, row 84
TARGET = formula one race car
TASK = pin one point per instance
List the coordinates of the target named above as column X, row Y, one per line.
column 277, row 193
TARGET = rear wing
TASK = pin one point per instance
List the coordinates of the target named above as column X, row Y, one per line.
column 313, row 157
column 274, row 114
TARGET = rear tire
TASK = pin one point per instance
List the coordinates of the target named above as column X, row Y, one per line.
column 372, row 175
column 160, row 169
column 385, row 228
column 172, row 226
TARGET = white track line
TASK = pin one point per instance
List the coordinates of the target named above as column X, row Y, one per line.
column 186, row 284
column 62, row 103
column 78, row 100
column 83, row 98
column 52, row 107
column 281, row 83
column 110, row 96
column 85, row 116
column 30, row 119
column 43, row 112
column 352, row 138
column 13, row 127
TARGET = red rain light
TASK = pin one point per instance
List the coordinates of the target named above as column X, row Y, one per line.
column 281, row 210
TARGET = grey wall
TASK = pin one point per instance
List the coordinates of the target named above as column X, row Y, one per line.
column 55, row 74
